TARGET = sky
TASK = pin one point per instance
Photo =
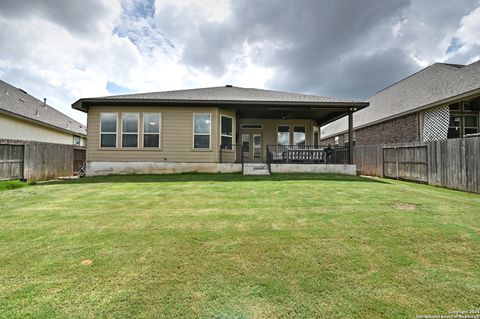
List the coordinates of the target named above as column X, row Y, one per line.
column 64, row 50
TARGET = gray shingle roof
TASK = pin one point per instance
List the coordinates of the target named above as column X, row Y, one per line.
column 18, row 102
column 222, row 94
column 431, row 85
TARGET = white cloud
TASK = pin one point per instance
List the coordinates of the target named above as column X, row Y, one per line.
column 154, row 45
column 209, row 10
column 469, row 31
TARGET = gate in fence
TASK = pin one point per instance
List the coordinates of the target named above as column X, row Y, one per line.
column 409, row 162
column 11, row 161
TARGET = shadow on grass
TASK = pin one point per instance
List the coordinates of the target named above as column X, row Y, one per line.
column 212, row 177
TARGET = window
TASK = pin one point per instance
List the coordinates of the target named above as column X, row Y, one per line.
column 299, row 135
column 76, row 140
column 201, row 131
column 251, row 126
column 463, row 120
column 108, row 130
column 471, row 124
column 151, row 129
column 283, row 135
column 316, row 136
column 337, row 140
column 130, row 130
column 346, row 138
column 226, row 132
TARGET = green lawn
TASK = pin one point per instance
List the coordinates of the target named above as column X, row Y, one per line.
column 228, row 246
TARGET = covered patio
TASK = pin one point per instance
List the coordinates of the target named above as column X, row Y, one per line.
column 287, row 132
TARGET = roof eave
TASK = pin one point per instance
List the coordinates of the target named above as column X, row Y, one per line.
column 449, row 100
column 28, row 119
column 83, row 104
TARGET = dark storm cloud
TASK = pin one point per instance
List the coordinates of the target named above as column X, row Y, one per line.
column 84, row 16
column 341, row 48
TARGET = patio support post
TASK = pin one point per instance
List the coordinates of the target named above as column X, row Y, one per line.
column 350, row 136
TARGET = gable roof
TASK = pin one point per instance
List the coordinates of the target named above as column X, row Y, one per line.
column 433, row 85
column 218, row 95
column 17, row 102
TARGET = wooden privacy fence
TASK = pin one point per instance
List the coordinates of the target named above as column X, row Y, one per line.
column 453, row 163
column 406, row 162
column 11, row 161
column 38, row 161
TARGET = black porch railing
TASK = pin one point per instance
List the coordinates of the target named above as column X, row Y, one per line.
column 232, row 154
column 288, row 154
column 306, row 154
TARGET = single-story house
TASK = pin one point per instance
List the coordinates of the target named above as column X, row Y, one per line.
column 25, row 118
column 439, row 102
column 218, row 129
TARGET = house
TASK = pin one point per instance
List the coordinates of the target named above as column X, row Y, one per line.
column 208, row 130
column 439, row 102
column 37, row 142
column 25, row 118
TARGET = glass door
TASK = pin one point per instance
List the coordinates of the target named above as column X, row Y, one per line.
column 257, row 147
column 246, row 147
column 252, row 147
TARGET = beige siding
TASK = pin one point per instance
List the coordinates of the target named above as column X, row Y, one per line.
column 17, row 129
column 176, row 136
column 269, row 130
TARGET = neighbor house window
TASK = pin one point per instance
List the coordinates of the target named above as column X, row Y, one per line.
column 76, row 140
column 464, row 120
column 226, row 133
column 283, row 135
column 471, row 124
column 130, row 130
column 151, row 129
column 299, row 135
column 202, row 126
column 337, row 140
column 108, row 130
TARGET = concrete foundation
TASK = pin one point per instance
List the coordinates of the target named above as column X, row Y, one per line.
column 315, row 168
column 108, row 168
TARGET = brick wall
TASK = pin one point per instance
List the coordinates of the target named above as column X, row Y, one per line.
column 399, row 130
column 402, row 129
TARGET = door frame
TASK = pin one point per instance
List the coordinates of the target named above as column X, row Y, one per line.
column 250, row 158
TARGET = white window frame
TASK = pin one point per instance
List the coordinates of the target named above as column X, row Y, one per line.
column 293, row 133
column 127, row 133
column 102, row 132
column 221, row 129
column 209, row 133
column 315, row 128
column 159, row 130
column 289, row 133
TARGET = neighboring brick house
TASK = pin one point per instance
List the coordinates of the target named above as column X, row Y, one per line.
column 439, row 102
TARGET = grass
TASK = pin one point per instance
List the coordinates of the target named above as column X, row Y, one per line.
column 229, row 246
column 13, row 184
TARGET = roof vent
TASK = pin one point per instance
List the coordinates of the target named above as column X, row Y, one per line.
column 36, row 113
column 45, row 102
column 22, row 90
column 228, row 86
column 22, row 100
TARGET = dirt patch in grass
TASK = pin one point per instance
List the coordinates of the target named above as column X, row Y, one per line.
column 87, row 262
column 405, row 206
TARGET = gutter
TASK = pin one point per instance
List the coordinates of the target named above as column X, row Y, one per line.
column 79, row 105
